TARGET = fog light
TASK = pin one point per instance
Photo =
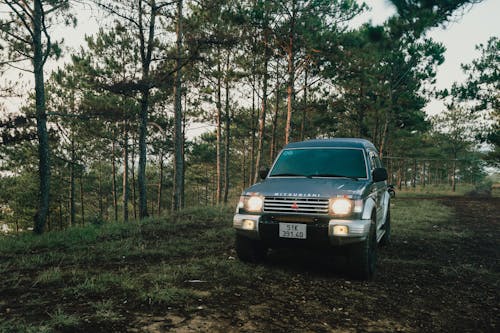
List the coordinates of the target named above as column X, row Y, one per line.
column 248, row 225
column 340, row 230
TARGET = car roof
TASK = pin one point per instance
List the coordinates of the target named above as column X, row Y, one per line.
column 336, row 142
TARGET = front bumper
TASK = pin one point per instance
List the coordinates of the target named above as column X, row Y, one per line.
column 323, row 231
column 357, row 231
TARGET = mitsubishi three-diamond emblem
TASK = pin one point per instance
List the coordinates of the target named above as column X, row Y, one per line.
column 295, row 206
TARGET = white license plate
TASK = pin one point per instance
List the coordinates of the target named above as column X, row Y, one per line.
column 293, row 230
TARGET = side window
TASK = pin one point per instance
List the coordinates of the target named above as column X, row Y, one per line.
column 378, row 161
column 374, row 161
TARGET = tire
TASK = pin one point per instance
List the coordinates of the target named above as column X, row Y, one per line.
column 386, row 238
column 250, row 250
column 363, row 256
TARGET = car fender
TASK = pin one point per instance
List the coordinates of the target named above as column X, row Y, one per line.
column 386, row 204
column 368, row 208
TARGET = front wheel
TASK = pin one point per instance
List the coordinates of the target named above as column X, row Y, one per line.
column 363, row 256
column 386, row 238
column 250, row 250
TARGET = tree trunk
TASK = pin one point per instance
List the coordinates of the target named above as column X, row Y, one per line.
column 183, row 150
column 81, row 200
column 291, row 73
column 207, row 177
column 160, row 184
column 41, row 121
column 405, row 175
column 60, row 215
column 134, row 196
column 178, row 139
column 99, row 182
column 272, row 150
column 415, row 172
column 218, row 193
column 125, row 191
column 72, row 210
column 400, row 175
column 362, row 133
column 227, row 137
column 244, row 165
column 113, row 166
column 430, row 179
column 423, row 175
column 454, row 173
column 143, row 204
column 253, row 129
column 262, row 117
column 385, row 131
column 146, row 50
column 304, row 106
column 49, row 222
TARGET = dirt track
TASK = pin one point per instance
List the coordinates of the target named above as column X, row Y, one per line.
column 423, row 284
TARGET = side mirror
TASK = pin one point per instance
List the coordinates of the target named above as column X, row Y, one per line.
column 263, row 172
column 379, row 175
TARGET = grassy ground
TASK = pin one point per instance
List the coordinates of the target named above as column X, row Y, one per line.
column 181, row 275
column 489, row 185
column 434, row 191
column 103, row 275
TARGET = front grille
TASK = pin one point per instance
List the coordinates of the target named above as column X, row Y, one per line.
column 296, row 205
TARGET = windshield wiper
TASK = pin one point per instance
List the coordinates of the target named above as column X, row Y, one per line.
column 287, row 174
column 331, row 175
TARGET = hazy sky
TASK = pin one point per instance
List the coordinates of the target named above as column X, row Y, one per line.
column 459, row 37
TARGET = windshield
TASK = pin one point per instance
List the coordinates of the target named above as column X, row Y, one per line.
column 324, row 162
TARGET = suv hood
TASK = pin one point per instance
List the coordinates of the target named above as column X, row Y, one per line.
column 308, row 187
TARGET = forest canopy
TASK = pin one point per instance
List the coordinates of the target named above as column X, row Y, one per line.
column 109, row 134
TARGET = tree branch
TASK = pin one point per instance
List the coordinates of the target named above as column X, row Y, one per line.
column 21, row 16
column 47, row 36
column 19, row 68
column 160, row 6
column 12, row 61
column 53, row 9
column 113, row 11
column 18, row 38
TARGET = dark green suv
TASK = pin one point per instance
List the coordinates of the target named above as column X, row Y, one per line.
column 319, row 193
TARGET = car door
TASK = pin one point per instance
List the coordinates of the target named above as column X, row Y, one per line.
column 379, row 188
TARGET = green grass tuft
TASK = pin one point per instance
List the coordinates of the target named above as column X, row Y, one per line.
column 105, row 311
column 162, row 294
column 63, row 321
column 51, row 275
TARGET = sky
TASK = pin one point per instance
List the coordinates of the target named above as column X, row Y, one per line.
column 475, row 26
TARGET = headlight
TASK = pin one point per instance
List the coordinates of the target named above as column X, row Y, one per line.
column 251, row 204
column 341, row 206
column 254, row 204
